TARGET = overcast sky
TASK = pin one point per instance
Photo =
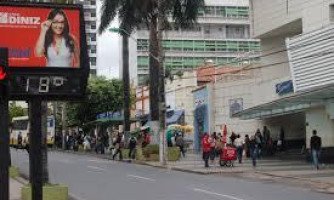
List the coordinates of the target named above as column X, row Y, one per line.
column 107, row 50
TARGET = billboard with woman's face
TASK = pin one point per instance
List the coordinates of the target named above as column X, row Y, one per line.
column 41, row 36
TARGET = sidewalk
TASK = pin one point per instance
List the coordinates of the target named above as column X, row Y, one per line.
column 295, row 170
column 15, row 189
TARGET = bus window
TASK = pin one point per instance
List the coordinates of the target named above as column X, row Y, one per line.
column 20, row 125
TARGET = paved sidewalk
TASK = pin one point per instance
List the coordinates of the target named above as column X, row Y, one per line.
column 296, row 170
column 15, row 189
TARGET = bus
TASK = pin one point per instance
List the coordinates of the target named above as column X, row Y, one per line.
column 20, row 129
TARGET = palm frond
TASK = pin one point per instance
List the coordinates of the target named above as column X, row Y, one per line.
column 108, row 13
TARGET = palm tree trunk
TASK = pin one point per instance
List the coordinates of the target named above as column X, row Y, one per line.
column 154, row 72
column 162, row 107
column 126, row 84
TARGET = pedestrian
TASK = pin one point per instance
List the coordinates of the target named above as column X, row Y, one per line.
column 212, row 141
column 315, row 144
column 206, row 149
column 232, row 138
column 258, row 140
column 253, row 149
column 247, row 145
column 179, row 141
column 118, row 146
column 239, row 143
column 132, row 147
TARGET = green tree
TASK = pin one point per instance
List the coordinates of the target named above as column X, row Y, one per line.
column 153, row 13
column 16, row 111
column 102, row 95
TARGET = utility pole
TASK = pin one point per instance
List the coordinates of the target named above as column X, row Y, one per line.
column 162, row 106
column 4, row 133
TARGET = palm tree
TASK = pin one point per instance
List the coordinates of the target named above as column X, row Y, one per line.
column 153, row 13
column 130, row 15
column 133, row 13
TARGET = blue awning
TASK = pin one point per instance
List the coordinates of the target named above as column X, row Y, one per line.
column 175, row 118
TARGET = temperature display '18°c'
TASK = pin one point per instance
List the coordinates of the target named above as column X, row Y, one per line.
column 51, row 85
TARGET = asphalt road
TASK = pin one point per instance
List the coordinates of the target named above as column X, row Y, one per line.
column 91, row 178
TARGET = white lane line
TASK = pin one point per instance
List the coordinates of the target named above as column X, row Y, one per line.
column 140, row 177
column 96, row 168
column 216, row 194
column 76, row 197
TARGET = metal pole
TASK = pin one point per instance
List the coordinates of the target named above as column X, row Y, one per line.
column 35, row 153
column 4, row 144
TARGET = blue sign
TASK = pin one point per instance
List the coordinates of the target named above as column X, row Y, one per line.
column 109, row 115
column 284, row 87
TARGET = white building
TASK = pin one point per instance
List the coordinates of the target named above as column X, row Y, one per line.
column 296, row 39
column 222, row 35
column 179, row 94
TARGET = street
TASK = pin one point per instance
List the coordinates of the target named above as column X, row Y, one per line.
column 91, row 178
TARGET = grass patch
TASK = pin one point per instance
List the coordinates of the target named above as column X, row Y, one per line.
column 50, row 192
column 13, row 172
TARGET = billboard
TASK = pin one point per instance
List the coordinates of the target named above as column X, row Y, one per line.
column 41, row 36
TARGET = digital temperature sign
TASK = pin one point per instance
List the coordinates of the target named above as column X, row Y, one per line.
column 47, row 50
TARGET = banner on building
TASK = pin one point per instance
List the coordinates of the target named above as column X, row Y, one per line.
column 236, row 105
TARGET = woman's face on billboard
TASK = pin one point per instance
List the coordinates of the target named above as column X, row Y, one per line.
column 58, row 24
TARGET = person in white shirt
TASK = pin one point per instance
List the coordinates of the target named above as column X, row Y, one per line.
column 239, row 144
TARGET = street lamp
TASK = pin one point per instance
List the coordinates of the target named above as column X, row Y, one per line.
column 122, row 31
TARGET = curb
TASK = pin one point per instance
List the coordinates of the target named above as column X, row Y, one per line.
column 329, row 189
column 23, row 179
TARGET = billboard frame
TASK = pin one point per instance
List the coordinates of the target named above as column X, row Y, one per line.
column 81, row 73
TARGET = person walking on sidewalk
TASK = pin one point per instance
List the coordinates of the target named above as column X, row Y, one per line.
column 253, row 149
column 315, row 144
column 206, row 149
column 179, row 141
column 118, row 146
column 132, row 148
column 239, row 143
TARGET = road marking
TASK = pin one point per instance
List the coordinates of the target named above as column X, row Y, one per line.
column 216, row 194
column 96, row 168
column 76, row 197
column 140, row 177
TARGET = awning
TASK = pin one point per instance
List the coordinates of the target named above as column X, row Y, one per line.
column 297, row 102
column 175, row 117
column 107, row 121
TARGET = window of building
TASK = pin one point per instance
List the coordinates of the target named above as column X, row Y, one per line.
column 93, row 14
column 233, row 31
column 93, row 37
column 331, row 13
column 209, row 10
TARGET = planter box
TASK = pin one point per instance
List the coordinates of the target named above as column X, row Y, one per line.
column 50, row 192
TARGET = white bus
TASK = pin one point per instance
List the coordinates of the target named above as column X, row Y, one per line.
column 20, row 129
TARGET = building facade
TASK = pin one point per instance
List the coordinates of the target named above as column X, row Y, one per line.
column 295, row 42
column 222, row 35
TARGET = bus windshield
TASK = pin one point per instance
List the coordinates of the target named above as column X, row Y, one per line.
column 20, row 124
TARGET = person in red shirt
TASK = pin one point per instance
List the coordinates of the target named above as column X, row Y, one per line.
column 206, row 149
